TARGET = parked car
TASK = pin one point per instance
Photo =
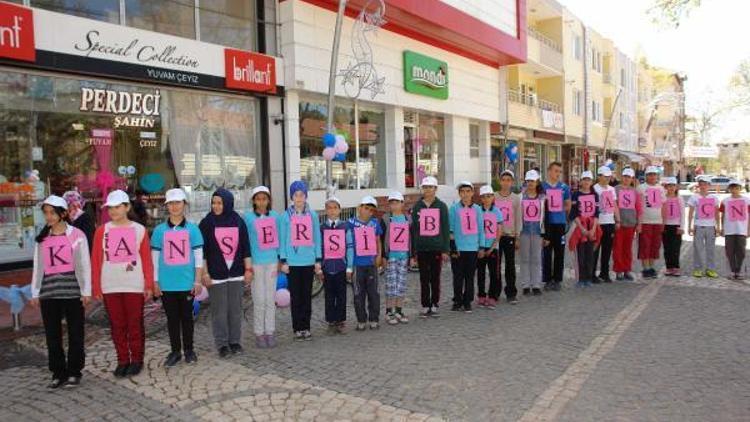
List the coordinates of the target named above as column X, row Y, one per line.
column 718, row 184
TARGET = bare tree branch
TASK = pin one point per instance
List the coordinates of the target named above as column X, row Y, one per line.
column 669, row 13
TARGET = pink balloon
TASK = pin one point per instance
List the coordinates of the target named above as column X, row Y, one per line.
column 341, row 146
column 282, row 298
column 203, row 295
column 329, row 153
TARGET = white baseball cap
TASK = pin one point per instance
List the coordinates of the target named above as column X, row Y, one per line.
column 368, row 200
column 532, row 175
column 486, row 190
column 734, row 182
column 509, row 173
column 465, row 183
column 703, row 179
column 55, row 201
column 115, row 198
column 604, row 171
column 628, row 172
column 334, row 199
column 587, row 175
column 429, row 181
column 260, row 189
column 395, row 196
column 175, row 195
column 652, row 170
column 669, row 180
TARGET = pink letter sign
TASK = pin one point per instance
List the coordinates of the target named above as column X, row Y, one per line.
column 398, row 237
column 268, row 235
column 554, row 199
column 506, row 208
column 468, row 218
column 58, row 255
column 586, row 205
column 627, row 199
column 490, row 225
column 176, row 247
column 737, row 209
column 672, row 209
column 532, row 211
column 653, row 198
column 706, row 208
column 365, row 241
column 429, row 222
column 334, row 244
column 301, row 230
column 608, row 202
column 121, row 246
column 228, row 238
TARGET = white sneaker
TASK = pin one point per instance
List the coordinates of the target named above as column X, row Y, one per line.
column 434, row 312
column 425, row 312
column 392, row 319
column 374, row 325
column 402, row 318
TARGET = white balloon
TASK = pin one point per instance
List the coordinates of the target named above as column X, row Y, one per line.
column 341, row 147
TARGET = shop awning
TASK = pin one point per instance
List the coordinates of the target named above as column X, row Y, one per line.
column 632, row 156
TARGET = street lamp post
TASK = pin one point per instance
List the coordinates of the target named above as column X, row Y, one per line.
column 332, row 90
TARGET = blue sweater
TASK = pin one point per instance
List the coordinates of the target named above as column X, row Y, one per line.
column 262, row 256
column 299, row 256
column 499, row 215
column 363, row 261
column 466, row 242
column 335, row 266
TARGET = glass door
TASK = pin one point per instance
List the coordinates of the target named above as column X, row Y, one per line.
column 410, row 155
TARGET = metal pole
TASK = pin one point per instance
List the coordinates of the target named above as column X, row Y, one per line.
column 611, row 116
column 356, row 142
column 332, row 86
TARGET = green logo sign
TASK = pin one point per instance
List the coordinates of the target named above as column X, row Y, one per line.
column 424, row 75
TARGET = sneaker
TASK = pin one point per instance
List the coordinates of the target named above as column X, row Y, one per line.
column 172, row 359
column 651, row 273
column 57, row 383
column 556, row 286
column 400, row 317
column 235, row 348
column 190, row 357
column 644, row 273
column 513, row 301
column 628, row 277
column 526, row 291
column 121, row 371
column 467, row 309
column 361, row 326
column 134, row 369
column 224, row 351
column 711, row 274
column 260, row 342
column 739, row 277
column 676, row 272
column 270, row 341
column 341, row 328
column 73, row 382
column 434, row 311
column 298, row 335
column 491, row 303
column 457, row 308
column 536, row 292
column 424, row 313
column 481, row 301
column 580, row 284
column 307, row 335
column 697, row 273
column 605, row 279
column 374, row 325
column 597, row 280
column 619, row 277
column 391, row 319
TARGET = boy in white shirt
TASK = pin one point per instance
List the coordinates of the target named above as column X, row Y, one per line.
column 734, row 212
column 703, row 224
column 609, row 220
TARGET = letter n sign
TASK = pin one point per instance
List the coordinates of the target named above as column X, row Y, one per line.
column 176, row 248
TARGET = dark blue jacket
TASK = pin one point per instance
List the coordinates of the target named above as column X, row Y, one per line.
column 217, row 266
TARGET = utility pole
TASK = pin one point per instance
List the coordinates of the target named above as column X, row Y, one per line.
column 611, row 115
column 332, row 90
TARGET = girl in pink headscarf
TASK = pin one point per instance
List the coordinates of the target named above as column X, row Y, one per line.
column 78, row 217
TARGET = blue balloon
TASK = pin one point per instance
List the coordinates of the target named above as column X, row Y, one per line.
column 340, row 157
column 329, row 140
column 511, row 152
column 281, row 281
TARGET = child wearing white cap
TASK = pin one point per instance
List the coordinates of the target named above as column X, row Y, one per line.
column 609, row 220
column 396, row 247
column 61, row 286
column 674, row 225
column 337, row 253
column 367, row 258
column 630, row 206
column 651, row 223
column 585, row 215
column 492, row 224
column 532, row 235
column 734, row 226
column 703, row 225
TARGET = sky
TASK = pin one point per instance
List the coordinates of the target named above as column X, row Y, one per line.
column 707, row 46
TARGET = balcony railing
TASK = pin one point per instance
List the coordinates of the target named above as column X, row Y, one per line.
column 544, row 39
column 533, row 101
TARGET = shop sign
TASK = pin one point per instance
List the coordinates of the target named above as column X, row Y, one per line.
column 249, row 71
column 16, row 32
column 425, row 75
column 133, row 109
column 101, row 137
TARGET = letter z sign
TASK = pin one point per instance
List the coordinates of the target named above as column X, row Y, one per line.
column 17, row 33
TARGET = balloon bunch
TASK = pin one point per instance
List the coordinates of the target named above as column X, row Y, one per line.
column 282, row 296
column 511, row 152
column 609, row 163
column 335, row 147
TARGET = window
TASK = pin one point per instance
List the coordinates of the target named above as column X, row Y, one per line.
column 228, row 22
column 578, row 47
column 577, row 102
column 101, row 10
column 623, row 81
column 175, row 17
column 473, row 140
column 312, row 118
column 424, row 147
column 622, row 120
column 596, row 111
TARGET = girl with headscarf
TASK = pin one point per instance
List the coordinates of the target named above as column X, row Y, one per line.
column 227, row 269
column 79, row 218
column 300, row 256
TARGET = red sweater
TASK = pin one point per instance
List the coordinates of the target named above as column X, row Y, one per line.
column 135, row 276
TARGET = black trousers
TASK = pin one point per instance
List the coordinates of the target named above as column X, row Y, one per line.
column 300, row 290
column 464, row 266
column 335, row 290
column 672, row 244
column 489, row 262
column 430, row 263
column 735, row 250
column 179, row 309
column 553, row 258
column 53, row 313
column 366, row 294
column 507, row 250
column 586, row 261
column 603, row 251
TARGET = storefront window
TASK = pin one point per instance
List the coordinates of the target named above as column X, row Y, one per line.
column 228, row 22
column 176, row 17
column 532, row 157
column 58, row 134
column 424, row 147
column 101, row 10
column 312, row 118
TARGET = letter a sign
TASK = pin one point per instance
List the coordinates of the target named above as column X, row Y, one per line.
column 176, row 248
column 58, row 255
column 121, row 246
